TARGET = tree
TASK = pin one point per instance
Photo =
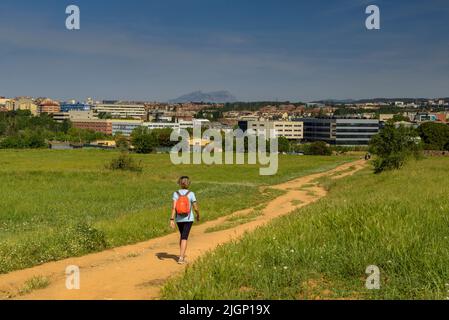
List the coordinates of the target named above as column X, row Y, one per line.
column 143, row 140
column 434, row 135
column 318, row 148
column 121, row 141
column 393, row 146
column 283, row 144
column 163, row 137
column 399, row 118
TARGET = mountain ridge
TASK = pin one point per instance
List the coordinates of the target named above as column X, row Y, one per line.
column 222, row 96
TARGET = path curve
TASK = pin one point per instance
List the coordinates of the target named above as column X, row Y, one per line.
column 139, row 271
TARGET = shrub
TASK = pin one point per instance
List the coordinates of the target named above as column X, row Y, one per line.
column 84, row 239
column 121, row 142
column 318, row 148
column 125, row 162
column 34, row 283
column 283, row 145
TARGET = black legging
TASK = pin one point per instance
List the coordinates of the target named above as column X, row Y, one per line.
column 184, row 229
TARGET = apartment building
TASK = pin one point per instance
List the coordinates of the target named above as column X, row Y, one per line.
column 98, row 125
column 26, row 104
column 288, row 129
column 49, row 106
column 162, row 125
column 345, row 132
column 6, row 104
column 74, row 115
column 66, row 107
column 122, row 111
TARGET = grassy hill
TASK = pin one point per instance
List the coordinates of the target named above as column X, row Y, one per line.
column 398, row 221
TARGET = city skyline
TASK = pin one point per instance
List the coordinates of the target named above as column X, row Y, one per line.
column 156, row 51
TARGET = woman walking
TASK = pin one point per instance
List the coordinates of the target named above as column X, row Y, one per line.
column 184, row 205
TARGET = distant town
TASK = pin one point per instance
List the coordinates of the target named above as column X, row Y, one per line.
column 340, row 123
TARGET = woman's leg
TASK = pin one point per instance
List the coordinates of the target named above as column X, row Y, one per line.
column 183, row 248
column 184, row 229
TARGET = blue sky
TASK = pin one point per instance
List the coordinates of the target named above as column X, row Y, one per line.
column 258, row 50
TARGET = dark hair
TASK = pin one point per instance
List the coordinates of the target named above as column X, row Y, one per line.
column 184, row 182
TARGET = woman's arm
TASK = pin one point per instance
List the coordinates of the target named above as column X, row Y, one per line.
column 173, row 214
column 197, row 211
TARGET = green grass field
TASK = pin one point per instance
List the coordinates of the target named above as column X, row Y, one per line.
column 398, row 221
column 58, row 204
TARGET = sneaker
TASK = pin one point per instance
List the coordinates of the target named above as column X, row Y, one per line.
column 181, row 260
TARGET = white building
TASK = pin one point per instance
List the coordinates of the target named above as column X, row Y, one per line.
column 122, row 111
column 125, row 127
column 292, row 130
column 74, row 115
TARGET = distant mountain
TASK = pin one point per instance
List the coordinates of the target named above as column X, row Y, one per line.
column 374, row 100
column 211, row 97
column 332, row 101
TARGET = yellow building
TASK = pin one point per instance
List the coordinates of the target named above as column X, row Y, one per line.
column 26, row 104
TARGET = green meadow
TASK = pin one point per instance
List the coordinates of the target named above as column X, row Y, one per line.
column 59, row 204
column 397, row 221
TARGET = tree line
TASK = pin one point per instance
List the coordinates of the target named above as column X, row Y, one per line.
column 21, row 130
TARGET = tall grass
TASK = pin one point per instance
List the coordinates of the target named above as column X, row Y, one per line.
column 59, row 204
column 398, row 221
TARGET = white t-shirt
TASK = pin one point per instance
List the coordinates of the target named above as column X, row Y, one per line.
column 192, row 198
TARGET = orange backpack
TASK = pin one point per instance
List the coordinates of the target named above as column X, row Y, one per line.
column 183, row 204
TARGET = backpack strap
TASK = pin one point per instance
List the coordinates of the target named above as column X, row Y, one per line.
column 191, row 209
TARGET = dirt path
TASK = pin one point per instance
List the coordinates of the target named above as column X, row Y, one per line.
column 139, row 271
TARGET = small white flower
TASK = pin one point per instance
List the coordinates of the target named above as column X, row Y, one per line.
column 285, row 268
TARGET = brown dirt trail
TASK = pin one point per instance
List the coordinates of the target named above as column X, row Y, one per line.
column 139, row 271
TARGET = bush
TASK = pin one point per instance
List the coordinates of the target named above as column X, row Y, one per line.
column 85, row 239
column 121, row 142
column 24, row 139
column 125, row 162
column 318, row 148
